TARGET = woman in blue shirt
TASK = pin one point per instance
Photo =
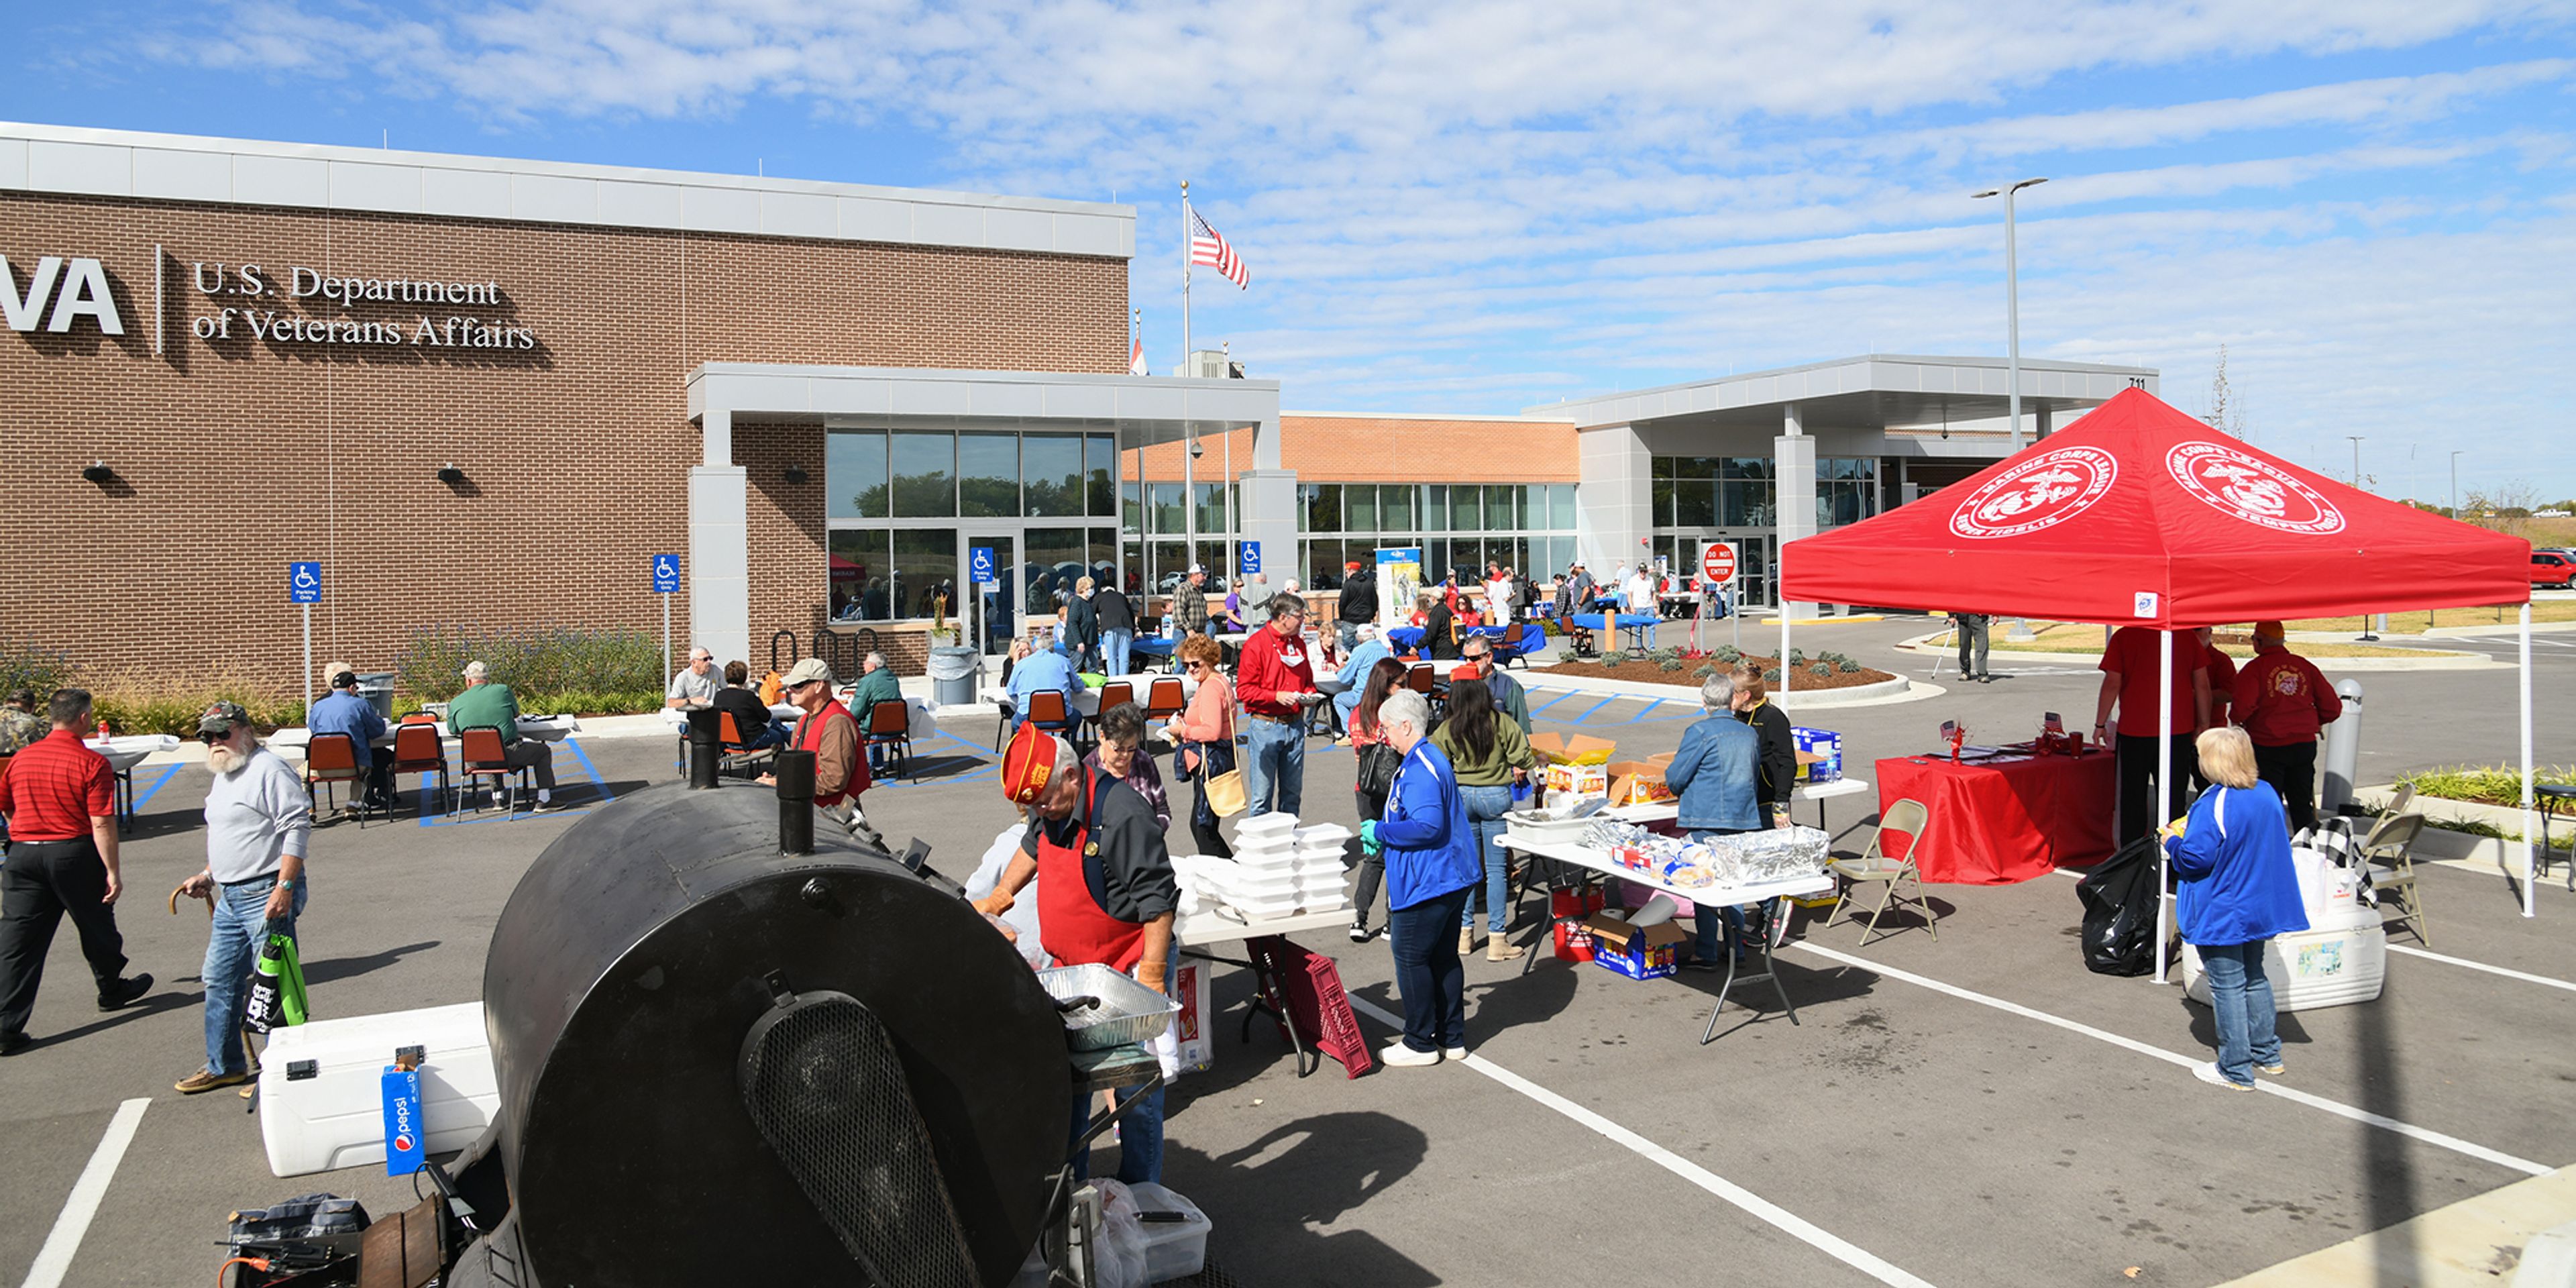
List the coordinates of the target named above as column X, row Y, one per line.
column 2232, row 857
column 1431, row 869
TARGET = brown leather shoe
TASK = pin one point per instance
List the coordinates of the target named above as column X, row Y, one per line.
column 205, row 1080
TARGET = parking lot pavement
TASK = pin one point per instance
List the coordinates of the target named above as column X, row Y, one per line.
column 1932, row 1118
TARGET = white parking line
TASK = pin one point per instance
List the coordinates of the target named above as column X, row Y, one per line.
column 2336, row 1107
column 1788, row 1222
column 2492, row 970
column 55, row 1258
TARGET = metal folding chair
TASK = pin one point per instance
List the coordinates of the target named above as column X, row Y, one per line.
column 419, row 750
column 1908, row 818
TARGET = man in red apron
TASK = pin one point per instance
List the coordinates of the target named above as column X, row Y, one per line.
column 829, row 731
column 1106, row 896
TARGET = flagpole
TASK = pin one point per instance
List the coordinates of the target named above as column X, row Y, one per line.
column 1189, row 481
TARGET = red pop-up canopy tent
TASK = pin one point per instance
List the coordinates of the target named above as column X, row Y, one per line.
column 2141, row 515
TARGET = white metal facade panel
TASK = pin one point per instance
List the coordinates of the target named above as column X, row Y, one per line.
column 281, row 181
column 465, row 194
column 644, row 205
column 80, row 168
column 720, row 210
column 1006, row 227
column 552, row 199
column 798, row 214
column 182, row 176
column 13, row 163
column 948, row 225
column 394, row 189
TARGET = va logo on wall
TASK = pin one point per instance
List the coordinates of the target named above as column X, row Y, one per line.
column 2233, row 483
column 77, row 288
column 2042, row 492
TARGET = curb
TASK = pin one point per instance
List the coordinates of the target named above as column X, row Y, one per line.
column 2442, row 662
column 1826, row 621
column 1887, row 692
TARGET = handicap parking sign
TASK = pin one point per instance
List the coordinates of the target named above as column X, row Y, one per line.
column 666, row 574
column 304, row 582
column 1251, row 557
column 979, row 566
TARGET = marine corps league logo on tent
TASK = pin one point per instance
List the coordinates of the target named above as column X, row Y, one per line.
column 2231, row 482
column 2042, row 492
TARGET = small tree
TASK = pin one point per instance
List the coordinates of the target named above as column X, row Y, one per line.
column 2223, row 416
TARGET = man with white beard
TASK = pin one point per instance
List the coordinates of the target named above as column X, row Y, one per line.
column 258, row 820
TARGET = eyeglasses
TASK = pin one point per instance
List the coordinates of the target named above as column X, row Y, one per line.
column 210, row 739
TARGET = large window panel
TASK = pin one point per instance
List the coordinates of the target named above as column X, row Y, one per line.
column 860, row 589
column 854, row 473
column 1560, row 556
column 1661, row 476
column 1435, row 508
column 1100, row 474
column 1502, row 507
column 1395, row 507
column 1560, row 507
column 1323, row 507
column 1211, row 508
column 1131, row 509
column 1056, row 560
column 1165, row 507
column 1359, row 507
column 988, row 475
column 925, row 564
column 925, row 475
column 1052, row 465
column 1105, row 565
column 1466, row 507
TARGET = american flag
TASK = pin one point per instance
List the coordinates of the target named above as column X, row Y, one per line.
column 1208, row 246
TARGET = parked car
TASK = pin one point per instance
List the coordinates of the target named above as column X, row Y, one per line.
column 2551, row 568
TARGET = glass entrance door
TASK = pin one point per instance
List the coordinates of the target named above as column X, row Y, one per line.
column 994, row 588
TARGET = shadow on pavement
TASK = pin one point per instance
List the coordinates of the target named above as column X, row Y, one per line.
column 1266, row 1198
column 338, row 968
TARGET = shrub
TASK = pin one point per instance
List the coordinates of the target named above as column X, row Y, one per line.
column 1849, row 667
column 1705, row 670
column 1797, row 655
column 1821, row 669
column 1614, row 657
column 2485, row 785
column 1771, row 675
column 130, row 708
column 551, row 668
column 1670, row 664
column 1730, row 654
column 25, row 666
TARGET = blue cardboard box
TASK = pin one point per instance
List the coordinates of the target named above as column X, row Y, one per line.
column 1820, row 754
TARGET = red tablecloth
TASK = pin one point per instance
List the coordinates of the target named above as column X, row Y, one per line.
column 1999, row 821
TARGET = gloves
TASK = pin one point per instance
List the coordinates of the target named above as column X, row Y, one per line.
column 1369, row 844
column 994, row 904
column 1151, row 974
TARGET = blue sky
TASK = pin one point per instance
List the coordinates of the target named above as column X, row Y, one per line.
column 1480, row 208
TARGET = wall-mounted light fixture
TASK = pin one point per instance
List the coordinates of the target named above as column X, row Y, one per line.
column 796, row 475
column 97, row 472
column 450, row 475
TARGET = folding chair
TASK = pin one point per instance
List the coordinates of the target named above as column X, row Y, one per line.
column 330, row 759
column 2390, row 852
column 1905, row 816
column 418, row 750
column 1532, row 638
column 890, row 725
column 485, row 759
column 420, row 718
column 1050, row 713
column 732, row 753
column 1163, row 698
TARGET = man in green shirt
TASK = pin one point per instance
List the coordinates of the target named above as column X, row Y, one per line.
column 486, row 705
column 876, row 684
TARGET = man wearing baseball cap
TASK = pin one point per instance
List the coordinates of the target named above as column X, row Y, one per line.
column 828, row 730
column 343, row 711
column 2283, row 701
column 1106, row 896
column 488, row 704
column 258, row 822
column 1189, row 602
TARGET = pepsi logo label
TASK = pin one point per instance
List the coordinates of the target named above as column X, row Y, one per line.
column 2042, row 492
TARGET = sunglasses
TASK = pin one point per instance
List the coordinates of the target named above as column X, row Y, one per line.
column 210, row 739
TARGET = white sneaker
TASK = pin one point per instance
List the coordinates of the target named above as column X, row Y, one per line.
column 1405, row 1057
column 2209, row 1073
column 1454, row 1053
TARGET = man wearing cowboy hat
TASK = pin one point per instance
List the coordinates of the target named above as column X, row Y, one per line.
column 829, row 731
column 1106, row 896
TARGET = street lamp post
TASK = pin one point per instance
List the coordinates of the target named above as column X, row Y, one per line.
column 2012, row 304
column 2356, row 458
column 2455, row 484
column 2017, row 630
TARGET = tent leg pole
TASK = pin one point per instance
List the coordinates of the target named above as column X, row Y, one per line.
column 1785, row 668
column 2530, row 857
column 2164, row 791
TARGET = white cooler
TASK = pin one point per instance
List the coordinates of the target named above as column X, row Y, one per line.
column 321, row 1100
column 2341, row 958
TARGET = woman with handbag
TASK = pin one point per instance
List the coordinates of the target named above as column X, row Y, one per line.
column 1488, row 754
column 1205, row 731
column 1378, row 759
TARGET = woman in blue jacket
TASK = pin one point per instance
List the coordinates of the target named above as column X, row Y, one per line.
column 1431, row 870
column 2237, row 891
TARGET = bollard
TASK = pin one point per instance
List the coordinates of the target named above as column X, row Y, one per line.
column 2342, row 754
column 794, row 771
column 706, row 749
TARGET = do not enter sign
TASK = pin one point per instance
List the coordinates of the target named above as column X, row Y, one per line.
column 1717, row 562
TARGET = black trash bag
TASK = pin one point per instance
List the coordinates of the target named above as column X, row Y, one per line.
column 2120, row 911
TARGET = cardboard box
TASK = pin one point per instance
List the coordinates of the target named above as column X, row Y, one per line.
column 1574, row 936
column 1650, row 953
column 1576, row 780
column 1572, row 749
column 1636, row 783
column 1820, row 754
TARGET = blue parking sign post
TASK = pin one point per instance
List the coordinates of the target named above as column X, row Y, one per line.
column 666, row 583
column 1251, row 557
column 304, row 586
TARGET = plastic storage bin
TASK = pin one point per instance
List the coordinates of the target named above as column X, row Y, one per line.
column 2341, row 958
column 321, row 1104
column 1173, row 1249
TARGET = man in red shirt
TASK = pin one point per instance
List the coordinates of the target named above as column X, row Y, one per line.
column 2283, row 701
column 2222, row 694
column 1276, row 684
column 2132, row 673
column 62, row 859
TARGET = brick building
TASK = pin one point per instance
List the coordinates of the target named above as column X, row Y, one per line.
column 483, row 392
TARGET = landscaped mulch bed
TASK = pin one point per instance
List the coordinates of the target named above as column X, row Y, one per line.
column 1643, row 671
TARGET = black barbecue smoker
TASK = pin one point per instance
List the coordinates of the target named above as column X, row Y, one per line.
column 724, row 1061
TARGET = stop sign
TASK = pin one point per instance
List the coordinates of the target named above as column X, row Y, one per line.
column 1717, row 562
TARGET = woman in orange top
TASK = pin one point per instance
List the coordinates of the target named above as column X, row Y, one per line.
column 1368, row 740
column 1205, row 731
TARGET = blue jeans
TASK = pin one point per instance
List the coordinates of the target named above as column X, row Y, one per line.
column 1348, row 633
column 1275, row 761
column 1117, row 645
column 1485, row 809
column 2240, row 995
column 1427, row 971
column 232, row 947
column 1345, row 703
column 1704, row 921
column 772, row 734
column 1140, row 1138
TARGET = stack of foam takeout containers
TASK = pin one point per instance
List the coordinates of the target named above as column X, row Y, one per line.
column 1279, row 870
